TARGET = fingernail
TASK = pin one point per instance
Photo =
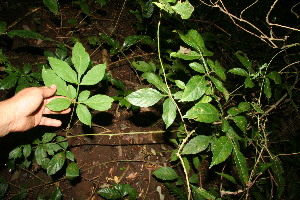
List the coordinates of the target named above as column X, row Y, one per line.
column 53, row 86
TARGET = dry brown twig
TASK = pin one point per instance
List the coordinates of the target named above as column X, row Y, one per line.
column 241, row 22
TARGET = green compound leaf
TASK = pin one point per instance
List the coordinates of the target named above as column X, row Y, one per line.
column 234, row 111
column 26, row 150
column 240, row 162
column 275, row 76
column 195, row 88
column 63, row 70
column 9, row 82
column 56, row 163
column 241, row 122
column 169, row 112
column 94, row 75
column 118, row 191
column 184, row 9
column 99, row 102
column 267, row 88
column 166, row 174
column 239, row 71
column 220, row 87
column 84, row 114
column 144, row 67
column 15, row 153
column 197, row 67
column 83, row 96
column 26, row 34
column 47, row 137
column 180, row 84
column 80, row 59
column 155, row 80
column 52, row 5
column 49, row 78
column 71, row 92
column 203, row 112
column 72, row 171
column 196, row 145
column 192, row 55
column 222, row 149
column 217, row 68
column 144, row 97
column 59, row 104
column 2, row 29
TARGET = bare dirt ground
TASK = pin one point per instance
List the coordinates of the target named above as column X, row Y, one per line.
column 103, row 160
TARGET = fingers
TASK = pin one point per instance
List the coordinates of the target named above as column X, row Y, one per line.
column 45, row 121
column 48, row 91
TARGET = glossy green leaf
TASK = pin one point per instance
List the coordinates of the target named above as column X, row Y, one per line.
column 52, row 148
column 134, row 39
column 257, row 108
column 166, row 173
column 165, row 6
column 244, row 60
column 249, row 83
column 195, row 88
column 244, row 106
column 240, row 162
column 52, row 5
column 9, row 82
column 267, row 88
column 70, row 155
column 47, row 137
column 56, row 195
column 40, row 154
column 71, row 92
column 169, row 112
column 56, row 163
column 15, row 153
column 94, row 75
column 278, row 176
column 84, row 95
column 239, row 71
column 197, row 67
column 241, row 122
column 192, row 55
column 144, row 97
column 72, row 171
column 49, row 78
column 2, row 27
column 220, row 87
column 193, row 39
column 184, row 9
column 275, row 76
column 26, row 150
column 62, row 142
column 222, row 149
column 180, row 84
column 217, row 68
column 200, row 193
column 119, row 191
column 196, row 145
column 234, row 111
column 144, row 67
column 63, row 70
column 156, row 80
column 203, row 112
column 99, row 102
column 26, row 34
column 228, row 177
column 84, row 114
column 225, row 125
column 59, row 104
column 80, row 59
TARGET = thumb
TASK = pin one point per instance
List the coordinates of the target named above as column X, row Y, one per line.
column 49, row 91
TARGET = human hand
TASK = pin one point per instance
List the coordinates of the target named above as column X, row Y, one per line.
column 27, row 108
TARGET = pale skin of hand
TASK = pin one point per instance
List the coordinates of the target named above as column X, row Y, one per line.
column 26, row 110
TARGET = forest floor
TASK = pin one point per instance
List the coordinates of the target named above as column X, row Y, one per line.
column 103, row 160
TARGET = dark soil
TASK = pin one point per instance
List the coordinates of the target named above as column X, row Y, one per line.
column 103, row 160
